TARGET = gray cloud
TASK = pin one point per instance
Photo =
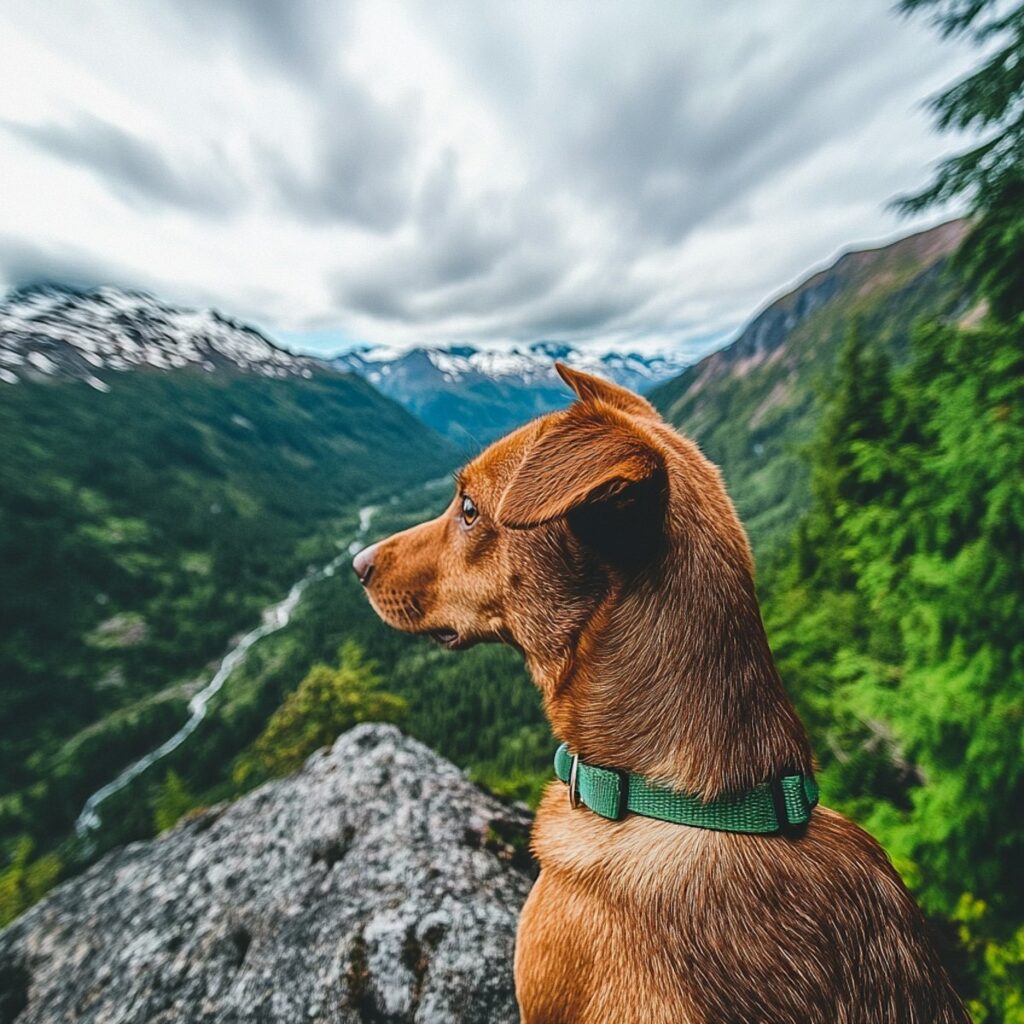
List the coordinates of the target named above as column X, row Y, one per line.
column 297, row 38
column 662, row 146
column 361, row 150
column 25, row 265
column 362, row 164
column 463, row 257
column 130, row 167
column 669, row 163
column 669, row 136
column 566, row 169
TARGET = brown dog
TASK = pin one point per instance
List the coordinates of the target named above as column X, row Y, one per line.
column 603, row 546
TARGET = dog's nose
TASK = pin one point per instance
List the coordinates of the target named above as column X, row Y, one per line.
column 362, row 564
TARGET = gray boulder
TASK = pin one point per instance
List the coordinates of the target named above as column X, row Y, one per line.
column 378, row 884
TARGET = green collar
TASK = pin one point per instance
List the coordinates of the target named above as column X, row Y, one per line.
column 778, row 805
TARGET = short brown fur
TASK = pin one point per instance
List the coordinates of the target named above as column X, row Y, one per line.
column 606, row 550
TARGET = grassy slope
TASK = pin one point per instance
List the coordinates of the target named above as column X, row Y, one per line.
column 752, row 405
column 141, row 529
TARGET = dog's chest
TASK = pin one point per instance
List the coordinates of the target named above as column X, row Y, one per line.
column 580, row 960
column 597, row 933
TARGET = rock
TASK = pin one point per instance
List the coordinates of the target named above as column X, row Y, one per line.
column 378, row 884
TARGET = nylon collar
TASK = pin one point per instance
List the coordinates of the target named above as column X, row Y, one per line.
column 781, row 804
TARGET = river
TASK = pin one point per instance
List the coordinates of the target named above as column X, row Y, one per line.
column 275, row 617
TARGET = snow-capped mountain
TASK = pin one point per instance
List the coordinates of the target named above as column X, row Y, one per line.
column 474, row 394
column 470, row 394
column 531, row 364
column 56, row 331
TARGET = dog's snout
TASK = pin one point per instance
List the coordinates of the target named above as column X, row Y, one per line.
column 362, row 564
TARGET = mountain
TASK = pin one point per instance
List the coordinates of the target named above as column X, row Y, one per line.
column 754, row 403
column 474, row 395
column 377, row 884
column 164, row 476
column 59, row 332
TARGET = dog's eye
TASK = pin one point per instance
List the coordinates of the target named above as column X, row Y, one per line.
column 469, row 512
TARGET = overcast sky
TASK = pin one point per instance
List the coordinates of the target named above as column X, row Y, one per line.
column 635, row 174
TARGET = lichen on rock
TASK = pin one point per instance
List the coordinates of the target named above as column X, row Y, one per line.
column 376, row 885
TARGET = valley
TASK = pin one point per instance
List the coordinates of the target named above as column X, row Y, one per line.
column 274, row 618
column 146, row 521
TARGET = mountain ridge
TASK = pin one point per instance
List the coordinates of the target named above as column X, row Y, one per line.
column 57, row 331
column 472, row 394
column 753, row 403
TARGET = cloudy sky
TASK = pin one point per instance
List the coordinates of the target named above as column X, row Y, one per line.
column 641, row 174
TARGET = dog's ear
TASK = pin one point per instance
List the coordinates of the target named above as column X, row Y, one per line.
column 587, row 456
column 589, row 388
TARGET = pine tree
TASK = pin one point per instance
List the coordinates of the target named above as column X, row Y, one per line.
column 172, row 801
column 908, row 660
column 854, row 415
column 989, row 175
column 327, row 702
column 936, row 556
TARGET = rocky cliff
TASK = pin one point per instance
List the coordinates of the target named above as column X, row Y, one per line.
column 378, row 884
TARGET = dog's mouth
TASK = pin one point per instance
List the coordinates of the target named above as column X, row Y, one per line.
column 448, row 638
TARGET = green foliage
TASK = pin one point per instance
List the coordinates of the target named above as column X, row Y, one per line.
column 172, row 800
column 993, row 256
column 520, row 767
column 26, row 880
column 997, row 962
column 897, row 620
column 327, row 702
column 990, row 174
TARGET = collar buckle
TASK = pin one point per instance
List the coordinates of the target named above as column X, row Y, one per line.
column 574, row 793
column 779, row 803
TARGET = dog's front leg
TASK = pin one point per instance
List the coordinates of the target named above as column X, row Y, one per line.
column 550, row 972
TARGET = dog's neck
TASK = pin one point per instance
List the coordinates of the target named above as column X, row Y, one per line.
column 672, row 677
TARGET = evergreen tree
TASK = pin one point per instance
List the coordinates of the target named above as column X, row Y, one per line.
column 989, row 175
column 898, row 628
column 173, row 799
column 854, row 414
column 936, row 556
column 327, row 702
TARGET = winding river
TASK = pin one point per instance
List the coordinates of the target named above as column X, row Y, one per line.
column 275, row 617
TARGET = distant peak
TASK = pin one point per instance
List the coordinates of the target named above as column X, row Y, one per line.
column 56, row 331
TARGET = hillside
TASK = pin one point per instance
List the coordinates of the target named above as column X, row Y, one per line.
column 754, row 403
column 473, row 395
column 164, row 476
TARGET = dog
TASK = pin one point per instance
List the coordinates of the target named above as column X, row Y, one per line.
column 602, row 545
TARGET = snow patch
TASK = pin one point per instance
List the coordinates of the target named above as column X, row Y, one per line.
column 42, row 362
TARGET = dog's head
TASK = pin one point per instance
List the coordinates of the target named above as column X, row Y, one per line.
column 543, row 525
